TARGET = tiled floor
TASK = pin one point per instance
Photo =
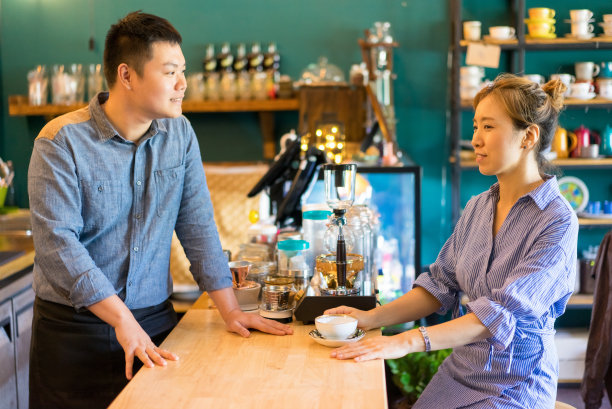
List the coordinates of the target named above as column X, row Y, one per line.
column 570, row 394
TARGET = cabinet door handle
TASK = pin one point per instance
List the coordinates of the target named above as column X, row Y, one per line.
column 6, row 327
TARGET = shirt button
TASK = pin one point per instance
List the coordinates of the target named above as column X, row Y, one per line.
column 130, row 283
column 100, row 188
column 138, row 182
column 136, row 249
column 138, row 216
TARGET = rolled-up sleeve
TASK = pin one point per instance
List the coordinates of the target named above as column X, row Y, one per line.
column 196, row 227
column 55, row 207
column 541, row 281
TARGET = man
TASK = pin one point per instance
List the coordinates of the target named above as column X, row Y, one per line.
column 108, row 184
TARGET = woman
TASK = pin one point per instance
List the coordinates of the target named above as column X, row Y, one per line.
column 512, row 254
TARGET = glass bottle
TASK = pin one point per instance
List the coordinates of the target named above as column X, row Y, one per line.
column 225, row 59
column 255, row 58
column 210, row 61
column 241, row 62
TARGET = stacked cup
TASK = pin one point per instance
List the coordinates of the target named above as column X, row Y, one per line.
column 580, row 20
column 470, row 81
column 541, row 23
column 604, row 80
column 607, row 25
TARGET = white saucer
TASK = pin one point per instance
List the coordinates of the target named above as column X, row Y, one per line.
column 334, row 343
column 568, row 20
column 185, row 292
column 585, row 37
column 590, row 95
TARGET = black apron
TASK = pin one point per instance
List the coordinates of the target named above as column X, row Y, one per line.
column 75, row 359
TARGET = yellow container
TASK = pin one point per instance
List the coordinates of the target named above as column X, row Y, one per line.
column 3, row 191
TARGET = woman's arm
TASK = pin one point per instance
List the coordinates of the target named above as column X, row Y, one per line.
column 460, row 331
column 415, row 304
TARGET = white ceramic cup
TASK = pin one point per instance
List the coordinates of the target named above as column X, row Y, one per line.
column 586, row 70
column 605, row 87
column 537, row 78
column 336, row 326
column 501, row 32
column 581, row 15
column 567, row 79
column 581, row 28
column 581, row 90
column 472, row 30
column 607, row 18
column 471, row 71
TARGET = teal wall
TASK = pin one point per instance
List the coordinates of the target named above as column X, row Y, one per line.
column 57, row 31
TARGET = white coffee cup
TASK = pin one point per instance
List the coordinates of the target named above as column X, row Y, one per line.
column 605, row 87
column 471, row 71
column 471, row 30
column 566, row 79
column 581, row 28
column 581, row 90
column 581, row 15
column 537, row 78
column 502, row 32
column 336, row 326
column 586, row 70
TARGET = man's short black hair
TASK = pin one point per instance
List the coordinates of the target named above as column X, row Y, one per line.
column 129, row 41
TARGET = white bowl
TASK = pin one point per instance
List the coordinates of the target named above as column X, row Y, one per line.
column 336, row 326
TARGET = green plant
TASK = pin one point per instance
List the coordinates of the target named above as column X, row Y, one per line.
column 413, row 372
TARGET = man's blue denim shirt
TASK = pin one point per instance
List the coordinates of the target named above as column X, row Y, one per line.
column 104, row 208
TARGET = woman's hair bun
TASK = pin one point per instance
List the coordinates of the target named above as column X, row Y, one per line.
column 555, row 90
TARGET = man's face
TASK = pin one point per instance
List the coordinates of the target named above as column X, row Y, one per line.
column 159, row 92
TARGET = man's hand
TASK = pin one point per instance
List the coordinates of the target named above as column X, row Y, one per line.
column 135, row 342
column 239, row 322
column 132, row 338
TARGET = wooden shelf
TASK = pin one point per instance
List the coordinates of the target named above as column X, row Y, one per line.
column 562, row 43
column 597, row 102
column 594, row 222
column 18, row 106
column 564, row 163
column 580, row 300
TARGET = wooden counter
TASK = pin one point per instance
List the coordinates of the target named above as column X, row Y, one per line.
column 218, row 369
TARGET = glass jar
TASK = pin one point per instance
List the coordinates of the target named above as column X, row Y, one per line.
column 314, row 224
column 326, row 267
column 292, row 256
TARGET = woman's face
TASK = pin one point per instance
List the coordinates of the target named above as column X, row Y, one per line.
column 496, row 142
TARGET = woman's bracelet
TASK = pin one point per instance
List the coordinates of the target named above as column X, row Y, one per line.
column 425, row 338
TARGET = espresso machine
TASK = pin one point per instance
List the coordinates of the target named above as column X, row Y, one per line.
column 339, row 270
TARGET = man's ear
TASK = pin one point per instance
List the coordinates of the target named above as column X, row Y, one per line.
column 124, row 76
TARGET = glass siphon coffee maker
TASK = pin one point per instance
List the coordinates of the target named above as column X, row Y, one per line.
column 339, row 269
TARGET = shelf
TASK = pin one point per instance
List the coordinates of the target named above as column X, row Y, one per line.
column 18, row 106
column 595, row 43
column 594, row 222
column 575, row 163
column 570, row 103
column 580, row 300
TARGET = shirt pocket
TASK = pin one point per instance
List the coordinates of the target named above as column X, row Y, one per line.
column 101, row 203
column 169, row 189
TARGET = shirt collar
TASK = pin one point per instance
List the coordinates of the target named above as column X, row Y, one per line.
column 542, row 195
column 107, row 131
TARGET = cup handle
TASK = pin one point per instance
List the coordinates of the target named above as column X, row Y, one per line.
column 552, row 13
column 572, row 79
column 596, row 70
column 573, row 141
column 591, row 28
column 552, row 28
column 592, row 88
column 512, row 32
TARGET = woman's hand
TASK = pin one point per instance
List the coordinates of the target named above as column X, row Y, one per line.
column 391, row 347
column 135, row 342
column 239, row 322
column 365, row 319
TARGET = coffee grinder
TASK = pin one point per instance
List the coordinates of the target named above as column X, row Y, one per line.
column 340, row 194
